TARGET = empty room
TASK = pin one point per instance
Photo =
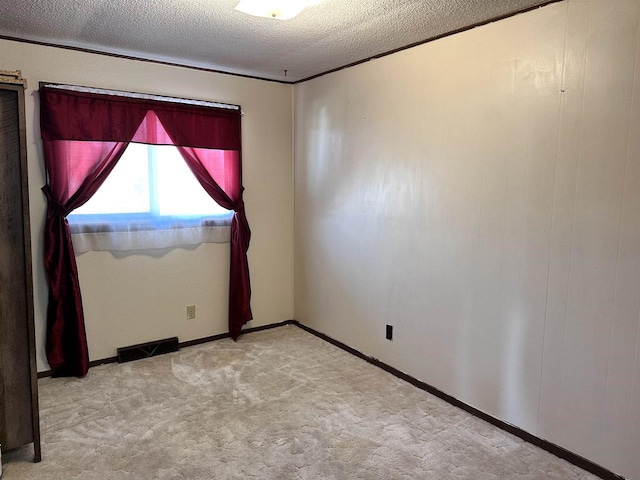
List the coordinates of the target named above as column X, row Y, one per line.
column 321, row 240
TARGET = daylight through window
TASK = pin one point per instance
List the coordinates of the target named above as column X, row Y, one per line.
column 152, row 183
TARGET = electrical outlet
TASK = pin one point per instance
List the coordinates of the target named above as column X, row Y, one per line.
column 389, row 332
column 191, row 312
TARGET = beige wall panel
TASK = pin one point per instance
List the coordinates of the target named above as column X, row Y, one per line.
column 480, row 194
column 621, row 408
column 597, row 226
column 423, row 164
column 146, row 288
column 571, row 102
column 140, row 298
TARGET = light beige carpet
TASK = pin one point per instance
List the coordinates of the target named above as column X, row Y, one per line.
column 278, row 404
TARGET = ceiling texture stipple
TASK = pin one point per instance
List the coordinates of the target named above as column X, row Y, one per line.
column 210, row 34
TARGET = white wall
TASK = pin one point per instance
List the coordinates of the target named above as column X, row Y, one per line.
column 481, row 193
column 139, row 298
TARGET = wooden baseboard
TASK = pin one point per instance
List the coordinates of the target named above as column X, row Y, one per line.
column 213, row 338
column 188, row 343
column 550, row 447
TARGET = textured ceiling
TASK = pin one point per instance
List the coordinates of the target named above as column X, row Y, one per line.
column 211, row 34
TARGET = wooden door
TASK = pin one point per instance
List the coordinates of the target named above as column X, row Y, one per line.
column 19, row 419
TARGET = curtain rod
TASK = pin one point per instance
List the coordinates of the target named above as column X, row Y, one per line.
column 143, row 96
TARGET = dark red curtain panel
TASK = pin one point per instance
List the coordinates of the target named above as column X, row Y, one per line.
column 67, row 189
column 84, row 135
column 225, row 165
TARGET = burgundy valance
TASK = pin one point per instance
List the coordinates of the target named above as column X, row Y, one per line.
column 78, row 115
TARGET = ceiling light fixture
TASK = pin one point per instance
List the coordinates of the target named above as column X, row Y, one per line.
column 279, row 9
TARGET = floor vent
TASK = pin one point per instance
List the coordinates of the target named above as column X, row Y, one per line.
column 146, row 350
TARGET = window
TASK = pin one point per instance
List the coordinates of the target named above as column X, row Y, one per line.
column 150, row 189
column 150, row 182
column 84, row 133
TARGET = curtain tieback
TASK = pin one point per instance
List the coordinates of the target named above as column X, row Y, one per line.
column 55, row 206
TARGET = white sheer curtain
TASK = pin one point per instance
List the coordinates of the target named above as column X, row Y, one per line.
column 137, row 238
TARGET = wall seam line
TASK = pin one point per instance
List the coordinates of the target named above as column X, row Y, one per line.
column 553, row 215
column 573, row 223
column 635, row 351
